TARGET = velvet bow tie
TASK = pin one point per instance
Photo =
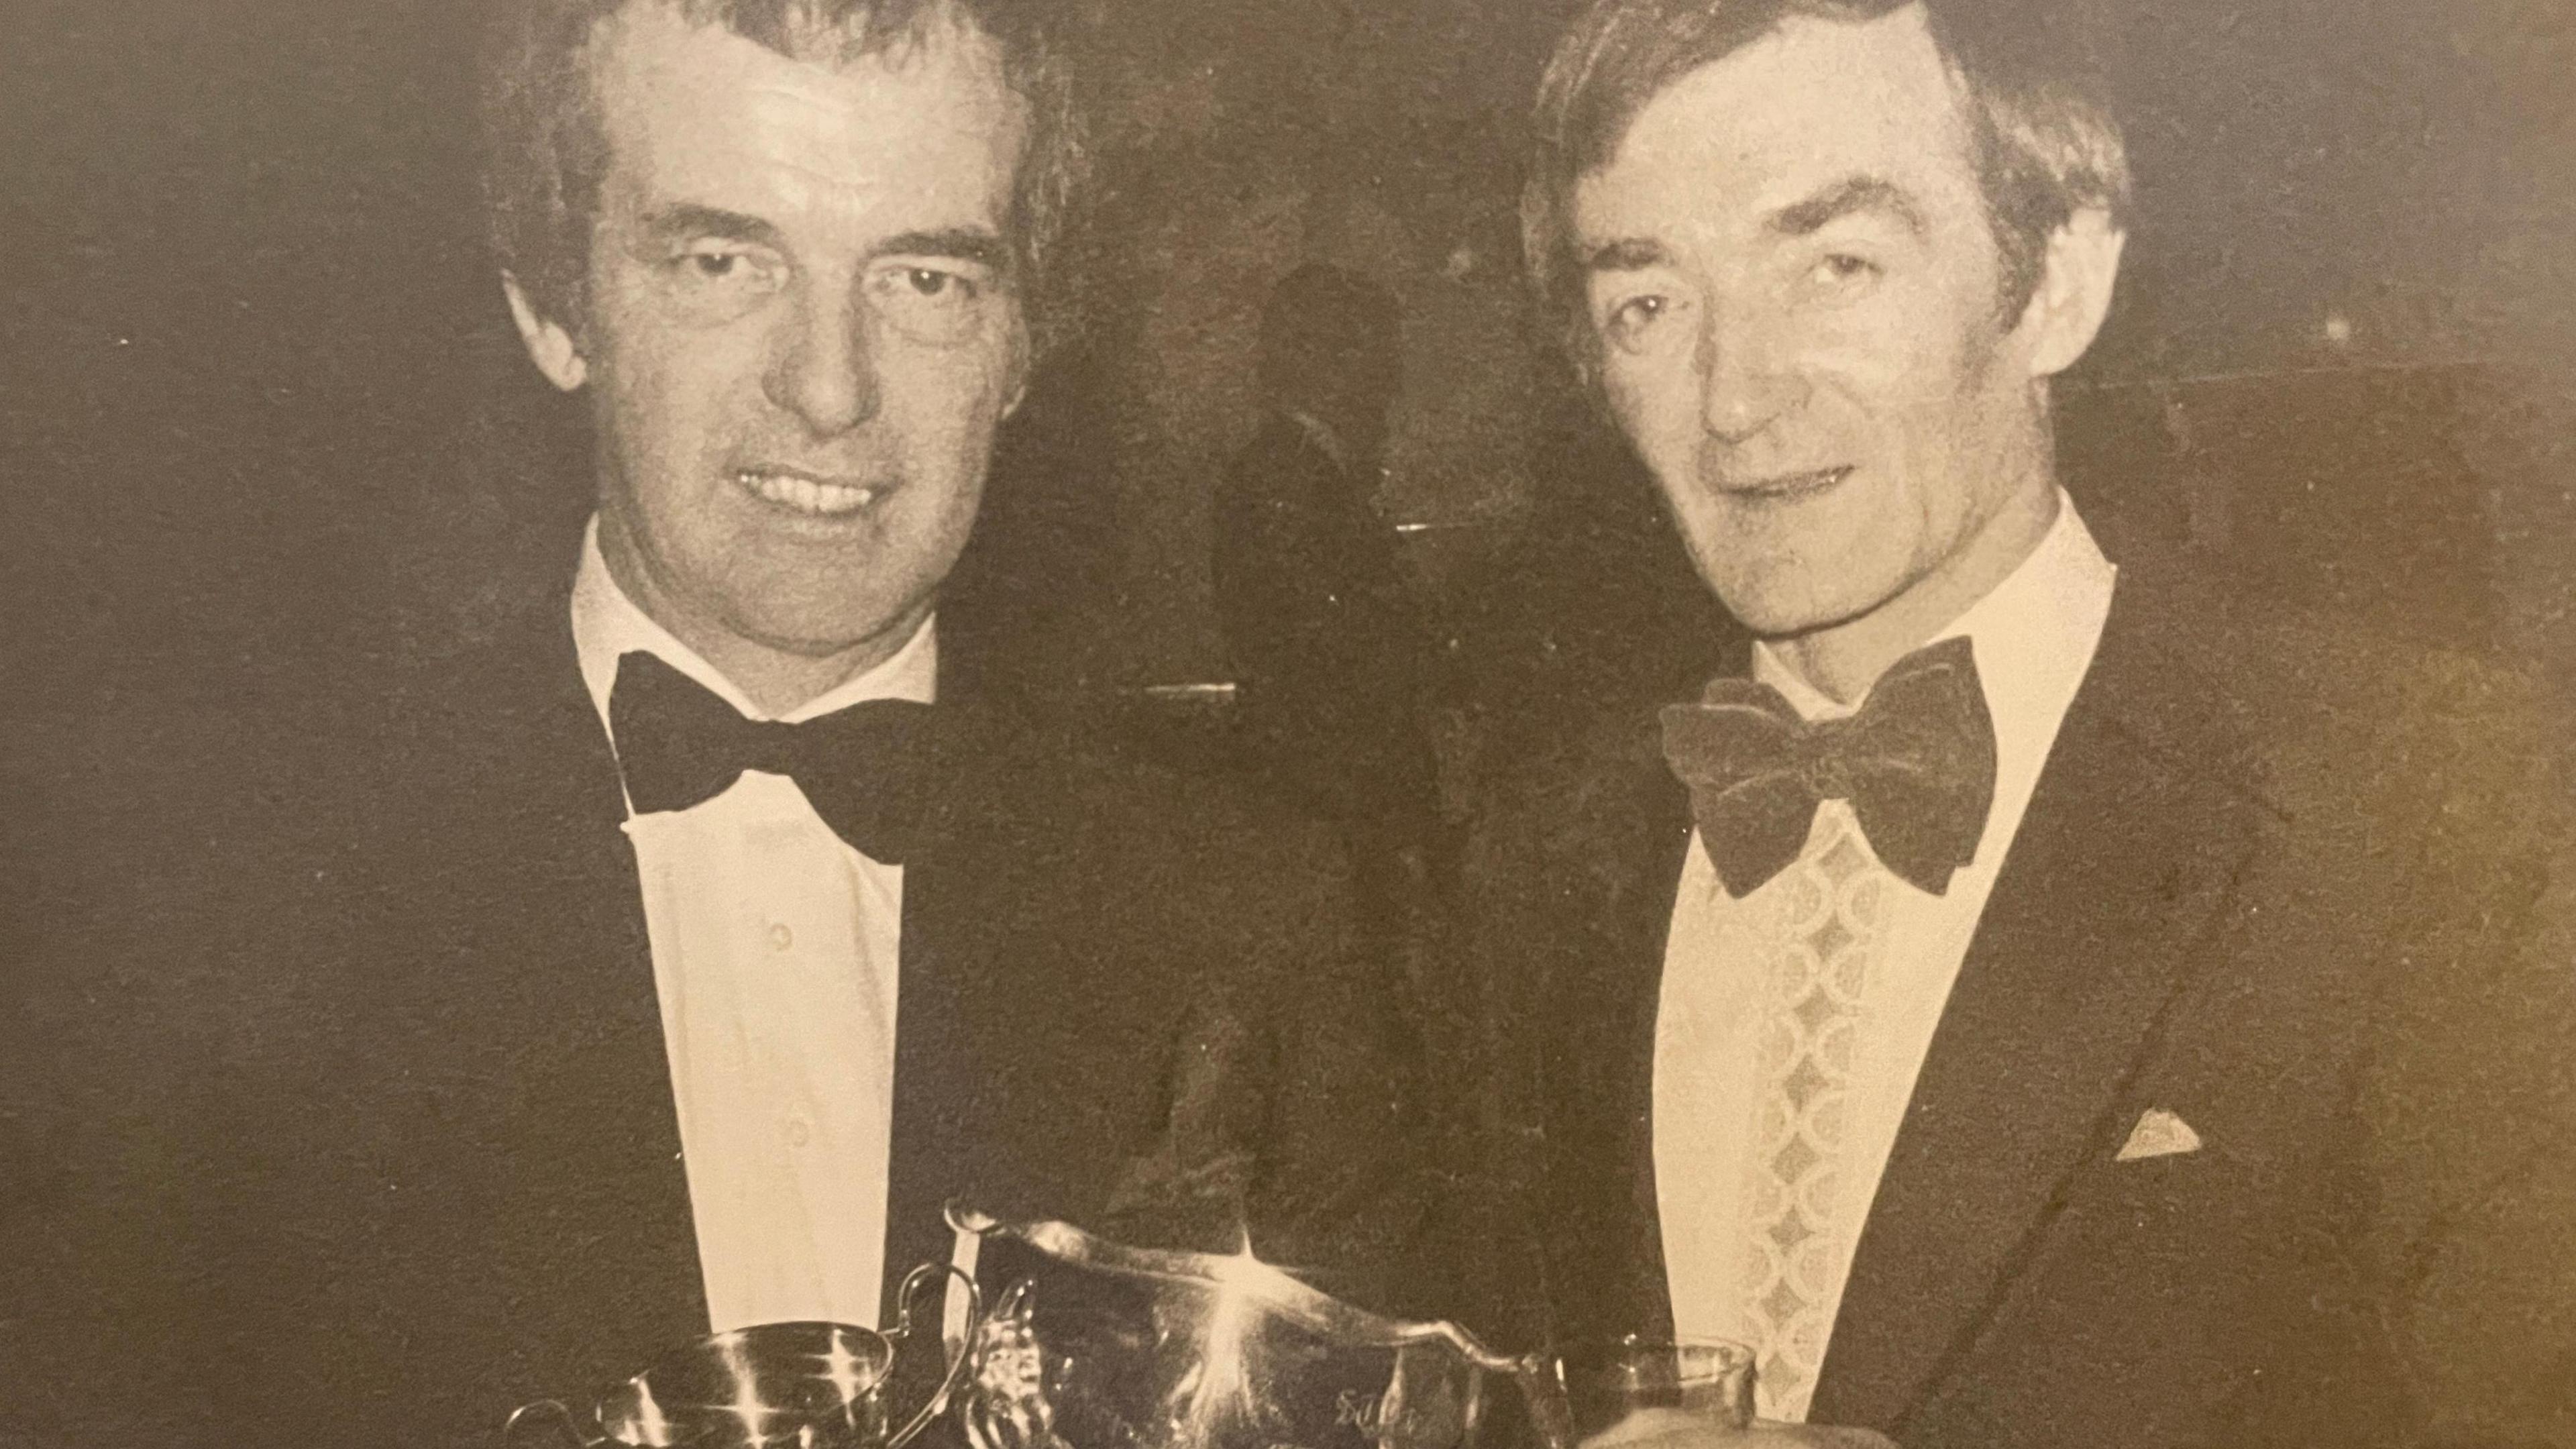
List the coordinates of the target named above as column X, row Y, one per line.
column 1917, row 764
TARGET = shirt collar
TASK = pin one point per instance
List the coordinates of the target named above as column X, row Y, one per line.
column 2034, row 636
column 607, row 624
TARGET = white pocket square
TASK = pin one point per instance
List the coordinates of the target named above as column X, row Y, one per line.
column 2159, row 1133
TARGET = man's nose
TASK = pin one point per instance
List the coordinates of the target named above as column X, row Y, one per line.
column 1747, row 379
column 823, row 369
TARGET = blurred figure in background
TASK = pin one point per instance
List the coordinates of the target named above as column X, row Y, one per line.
column 1329, row 652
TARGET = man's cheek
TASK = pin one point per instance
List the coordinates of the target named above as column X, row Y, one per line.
column 701, row 389
column 947, row 400
column 979, row 371
column 1642, row 403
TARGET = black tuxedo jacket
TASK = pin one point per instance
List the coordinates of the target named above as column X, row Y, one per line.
column 378, row 1140
column 2275, row 880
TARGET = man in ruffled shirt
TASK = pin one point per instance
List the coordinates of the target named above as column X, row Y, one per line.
column 2026, row 999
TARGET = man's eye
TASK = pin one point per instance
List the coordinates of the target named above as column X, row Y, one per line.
column 715, row 262
column 711, row 280
column 1632, row 322
column 931, row 282
column 1842, row 270
column 937, row 305
column 910, row 286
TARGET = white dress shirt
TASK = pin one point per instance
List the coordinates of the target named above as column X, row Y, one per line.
column 2034, row 638
column 775, row 955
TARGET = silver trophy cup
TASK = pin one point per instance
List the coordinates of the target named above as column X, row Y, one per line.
column 1094, row 1345
column 768, row 1386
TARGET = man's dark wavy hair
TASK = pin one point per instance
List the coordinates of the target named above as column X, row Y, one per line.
column 2033, row 74
column 544, row 157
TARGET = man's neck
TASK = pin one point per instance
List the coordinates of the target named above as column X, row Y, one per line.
column 1844, row 660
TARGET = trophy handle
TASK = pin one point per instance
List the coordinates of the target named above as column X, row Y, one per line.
column 960, row 1360
column 1007, row 1408
column 564, row 1423
column 1543, row 1390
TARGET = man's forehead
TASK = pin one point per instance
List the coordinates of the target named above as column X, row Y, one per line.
column 692, row 108
column 1800, row 109
column 652, row 49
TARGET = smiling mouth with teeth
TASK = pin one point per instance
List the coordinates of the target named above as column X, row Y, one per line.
column 813, row 497
column 1786, row 487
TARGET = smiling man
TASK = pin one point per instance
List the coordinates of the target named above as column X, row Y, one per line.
column 2028, row 999
column 674, row 951
column 799, row 322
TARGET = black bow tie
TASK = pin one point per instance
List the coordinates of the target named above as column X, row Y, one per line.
column 862, row 768
column 1917, row 764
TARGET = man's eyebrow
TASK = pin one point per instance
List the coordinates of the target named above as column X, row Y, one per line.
column 1629, row 254
column 1851, row 195
column 963, row 243
column 688, row 219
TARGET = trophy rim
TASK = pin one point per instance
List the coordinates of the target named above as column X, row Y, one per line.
column 638, row 1396
column 1265, row 1285
column 882, row 1347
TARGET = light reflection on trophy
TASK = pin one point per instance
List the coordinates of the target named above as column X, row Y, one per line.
column 1091, row 1344
column 1095, row 1345
column 766, row 1386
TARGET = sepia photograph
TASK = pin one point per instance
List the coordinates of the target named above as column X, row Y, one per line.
column 1288, row 724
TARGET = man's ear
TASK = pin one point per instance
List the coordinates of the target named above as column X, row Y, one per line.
column 2074, row 291
column 549, row 344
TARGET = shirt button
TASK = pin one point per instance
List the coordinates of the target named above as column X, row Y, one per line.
column 780, row 938
column 798, row 1134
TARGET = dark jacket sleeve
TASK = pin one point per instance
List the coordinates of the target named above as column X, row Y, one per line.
column 2471, row 1088
column 1292, row 1123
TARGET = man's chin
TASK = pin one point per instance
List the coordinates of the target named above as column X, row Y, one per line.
column 820, row 639
column 1773, row 612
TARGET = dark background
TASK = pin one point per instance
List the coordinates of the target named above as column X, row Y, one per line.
column 257, row 389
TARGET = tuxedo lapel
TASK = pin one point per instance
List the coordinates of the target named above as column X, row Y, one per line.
column 497, row 1206
column 596, row 1206
column 2141, row 820
column 1595, row 899
column 1038, row 1004
column 967, row 1006
column 934, row 1056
